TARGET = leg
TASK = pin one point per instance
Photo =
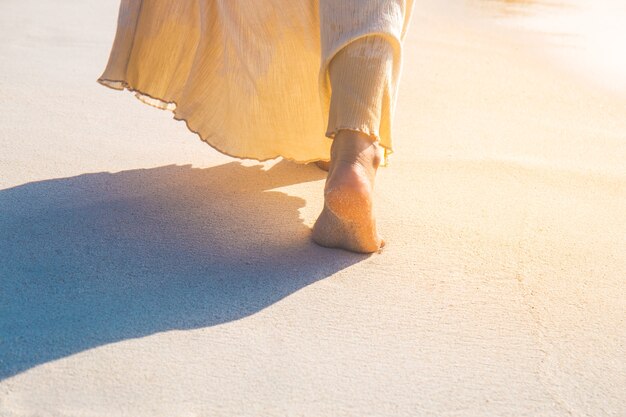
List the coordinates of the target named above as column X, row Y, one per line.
column 359, row 76
column 347, row 220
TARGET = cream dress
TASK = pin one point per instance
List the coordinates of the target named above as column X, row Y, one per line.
column 265, row 78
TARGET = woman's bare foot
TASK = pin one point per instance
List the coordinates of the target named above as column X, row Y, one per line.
column 323, row 165
column 347, row 220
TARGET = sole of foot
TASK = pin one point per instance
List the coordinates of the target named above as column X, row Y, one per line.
column 351, row 231
column 347, row 219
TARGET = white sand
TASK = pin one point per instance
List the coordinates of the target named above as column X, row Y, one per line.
column 132, row 283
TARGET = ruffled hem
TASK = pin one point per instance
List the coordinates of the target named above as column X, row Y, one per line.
column 161, row 104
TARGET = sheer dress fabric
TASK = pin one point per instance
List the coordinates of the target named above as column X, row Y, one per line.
column 265, row 78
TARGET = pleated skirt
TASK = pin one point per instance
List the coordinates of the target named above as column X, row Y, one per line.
column 262, row 79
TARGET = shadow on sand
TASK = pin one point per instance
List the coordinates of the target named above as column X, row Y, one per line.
column 99, row 258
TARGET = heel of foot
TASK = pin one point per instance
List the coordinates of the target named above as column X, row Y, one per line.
column 333, row 232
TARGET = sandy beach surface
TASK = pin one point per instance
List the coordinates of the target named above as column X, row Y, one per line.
column 144, row 274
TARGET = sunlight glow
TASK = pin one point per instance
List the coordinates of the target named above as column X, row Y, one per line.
column 587, row 36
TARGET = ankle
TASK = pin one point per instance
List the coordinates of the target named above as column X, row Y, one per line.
column 355, row 147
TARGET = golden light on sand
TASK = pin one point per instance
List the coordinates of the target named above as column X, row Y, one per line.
column 586, row 36
column 143, row 273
